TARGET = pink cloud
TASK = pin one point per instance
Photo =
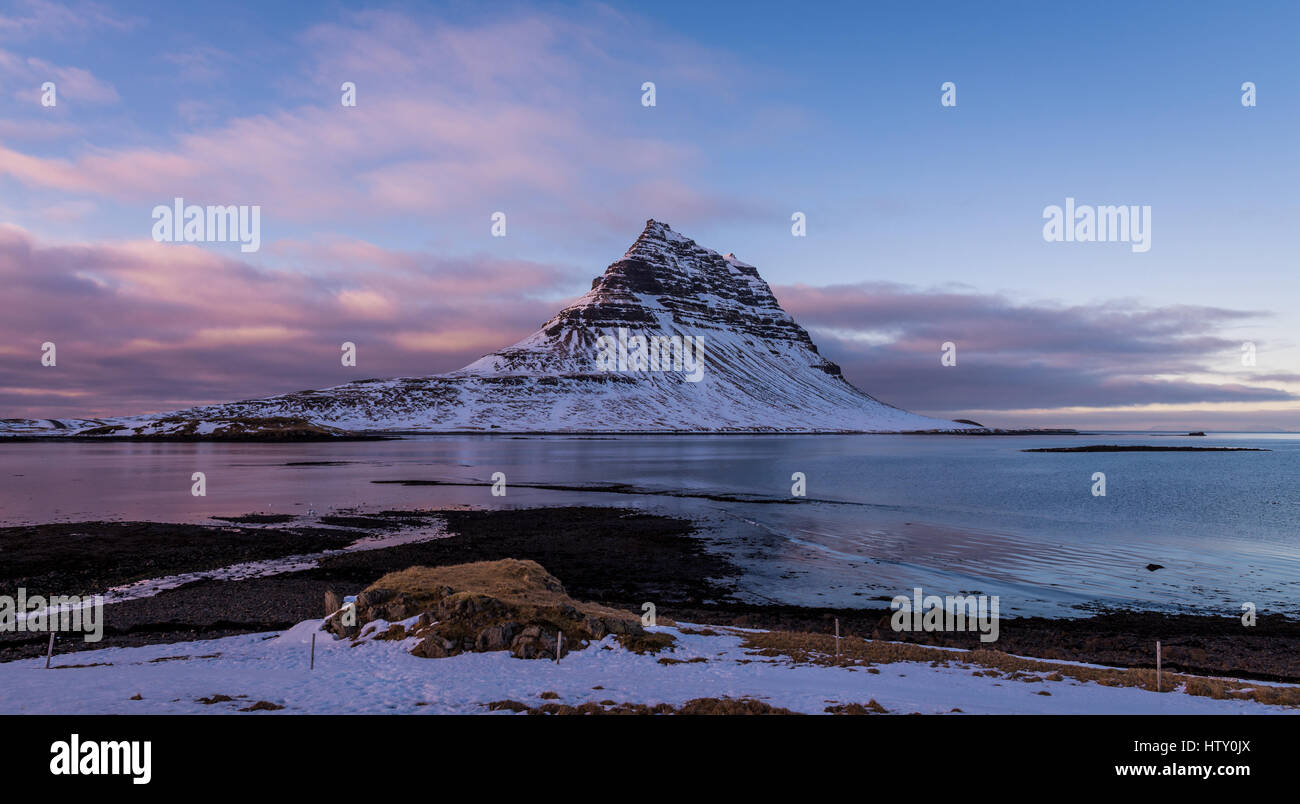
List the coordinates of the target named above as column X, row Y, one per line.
column 30, row 18
column 74, row 83
column 142, row 326
column 448, row 120
column 35, row 130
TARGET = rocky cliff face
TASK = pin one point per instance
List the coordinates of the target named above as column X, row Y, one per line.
column 672, row 337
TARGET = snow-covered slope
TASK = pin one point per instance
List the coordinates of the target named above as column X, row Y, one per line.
column 379, row 676
column 758, row 371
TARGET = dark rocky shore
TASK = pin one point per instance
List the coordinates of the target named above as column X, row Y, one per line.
column 612, row 556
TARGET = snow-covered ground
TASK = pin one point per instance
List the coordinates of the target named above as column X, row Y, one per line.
column 382, row 677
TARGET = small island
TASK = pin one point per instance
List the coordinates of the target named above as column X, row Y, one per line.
column 1143, row 448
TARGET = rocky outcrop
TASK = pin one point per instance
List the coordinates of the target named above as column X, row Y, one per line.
column 486, row 606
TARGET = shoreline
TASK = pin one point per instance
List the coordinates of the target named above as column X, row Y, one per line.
column 280, row 437
column 616, row 557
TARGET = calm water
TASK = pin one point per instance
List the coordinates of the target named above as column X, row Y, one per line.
column 886, row 513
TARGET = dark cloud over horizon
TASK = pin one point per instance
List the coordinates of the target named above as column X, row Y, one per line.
column 887, row 337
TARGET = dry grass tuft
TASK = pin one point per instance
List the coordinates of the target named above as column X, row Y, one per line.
column 730, row 706
column 262, row 706
column 214, row 699
column 820, row 649
column 870, row 707
column 697, row 706
column 646, row 643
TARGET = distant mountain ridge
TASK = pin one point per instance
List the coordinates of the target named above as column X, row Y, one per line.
column 760, row 371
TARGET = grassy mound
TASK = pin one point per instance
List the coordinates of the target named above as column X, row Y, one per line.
column 487, row 606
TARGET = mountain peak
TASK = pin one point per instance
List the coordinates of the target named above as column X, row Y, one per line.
column 668, row 282
column 755, row 369
column 655, row 238
column 661, row 245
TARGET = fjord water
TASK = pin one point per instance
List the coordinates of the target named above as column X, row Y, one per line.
column 883, row 513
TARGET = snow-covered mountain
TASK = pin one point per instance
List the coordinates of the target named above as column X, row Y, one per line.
column 758, row 371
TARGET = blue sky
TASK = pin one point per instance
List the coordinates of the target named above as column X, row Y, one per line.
column 762, row 109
